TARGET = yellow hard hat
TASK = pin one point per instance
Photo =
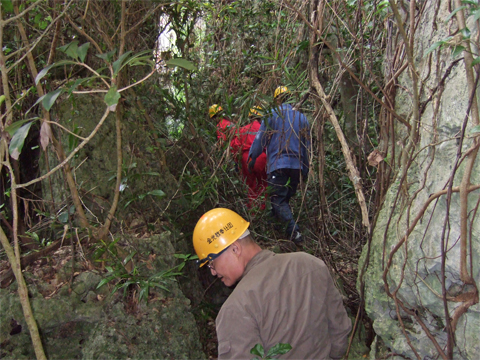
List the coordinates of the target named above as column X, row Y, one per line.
column 214, row 110
column 216, row 230
column 256, row 111
column 279, row 91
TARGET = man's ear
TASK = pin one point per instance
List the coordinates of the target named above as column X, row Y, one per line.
column 236, row 249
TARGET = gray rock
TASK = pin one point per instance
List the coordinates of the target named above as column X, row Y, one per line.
column 88, row 323
column 415, row 271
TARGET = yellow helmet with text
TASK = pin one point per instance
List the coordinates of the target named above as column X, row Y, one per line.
column 214, row 110
column 216, row 230
column 256, row 111
column 279, row 91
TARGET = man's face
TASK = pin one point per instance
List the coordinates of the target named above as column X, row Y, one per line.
column 227, row 266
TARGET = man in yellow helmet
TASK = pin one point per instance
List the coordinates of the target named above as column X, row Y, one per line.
column 225, row 126
column 279, row 298
column 285, row 133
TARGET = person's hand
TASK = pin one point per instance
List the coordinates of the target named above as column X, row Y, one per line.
column 250, row 164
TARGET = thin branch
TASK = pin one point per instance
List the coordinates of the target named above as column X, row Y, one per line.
column 352, row 74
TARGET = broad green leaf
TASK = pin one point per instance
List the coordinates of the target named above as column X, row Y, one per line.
column 44, row 72
column 475, row 129
column 457, row 50
column 476, row 61
column 2, row 99
column 49, row 99
column 183, row 63
column 82, row 51
column 112, row 96
column 107, row 56
column 476, row 15
column 70, row 49
column 63, row 217
column 279, row 349
column 257, row 350
column 117, row 65
column 17, row 125
column 7, row 6
column 158, row 193
column 18, row 140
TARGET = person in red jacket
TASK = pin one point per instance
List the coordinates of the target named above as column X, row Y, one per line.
column 225, row 126
column 256, row 178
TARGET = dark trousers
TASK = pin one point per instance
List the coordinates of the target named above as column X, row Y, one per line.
column 283, row 184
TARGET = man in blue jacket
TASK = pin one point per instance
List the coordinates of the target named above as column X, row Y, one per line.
column 285, row 133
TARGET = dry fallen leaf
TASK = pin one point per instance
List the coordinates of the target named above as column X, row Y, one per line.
column 375, row 158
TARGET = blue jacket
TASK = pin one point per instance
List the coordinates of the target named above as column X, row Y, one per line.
column 286, row 136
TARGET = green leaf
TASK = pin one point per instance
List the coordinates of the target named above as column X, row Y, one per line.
column 454, row 12
column 44, row 72
column 79, row 82
column 466, row 33
column 158, row 193
column 17, row 125
column 476, row 61
column 436, row 45
column 457, row 50
column 257, row 350
column 142, row 293
column 117, row 65
column 70, row 49
column 112, row 96
column 476, row 14
column 7, row 6
column 475, row 129
column 103, row 282
column 2, row 99
column 63, row 217
column 82, row 51
column 128, row 203
column 279, row 349
column 107, row 56
column 18, row 139
column 183, row 63
column 49, row 99
column 129, row 257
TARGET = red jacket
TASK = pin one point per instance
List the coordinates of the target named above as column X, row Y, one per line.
column 224, row 128
column 245, row 136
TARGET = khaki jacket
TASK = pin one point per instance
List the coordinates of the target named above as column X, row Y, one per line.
column 284, row 298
